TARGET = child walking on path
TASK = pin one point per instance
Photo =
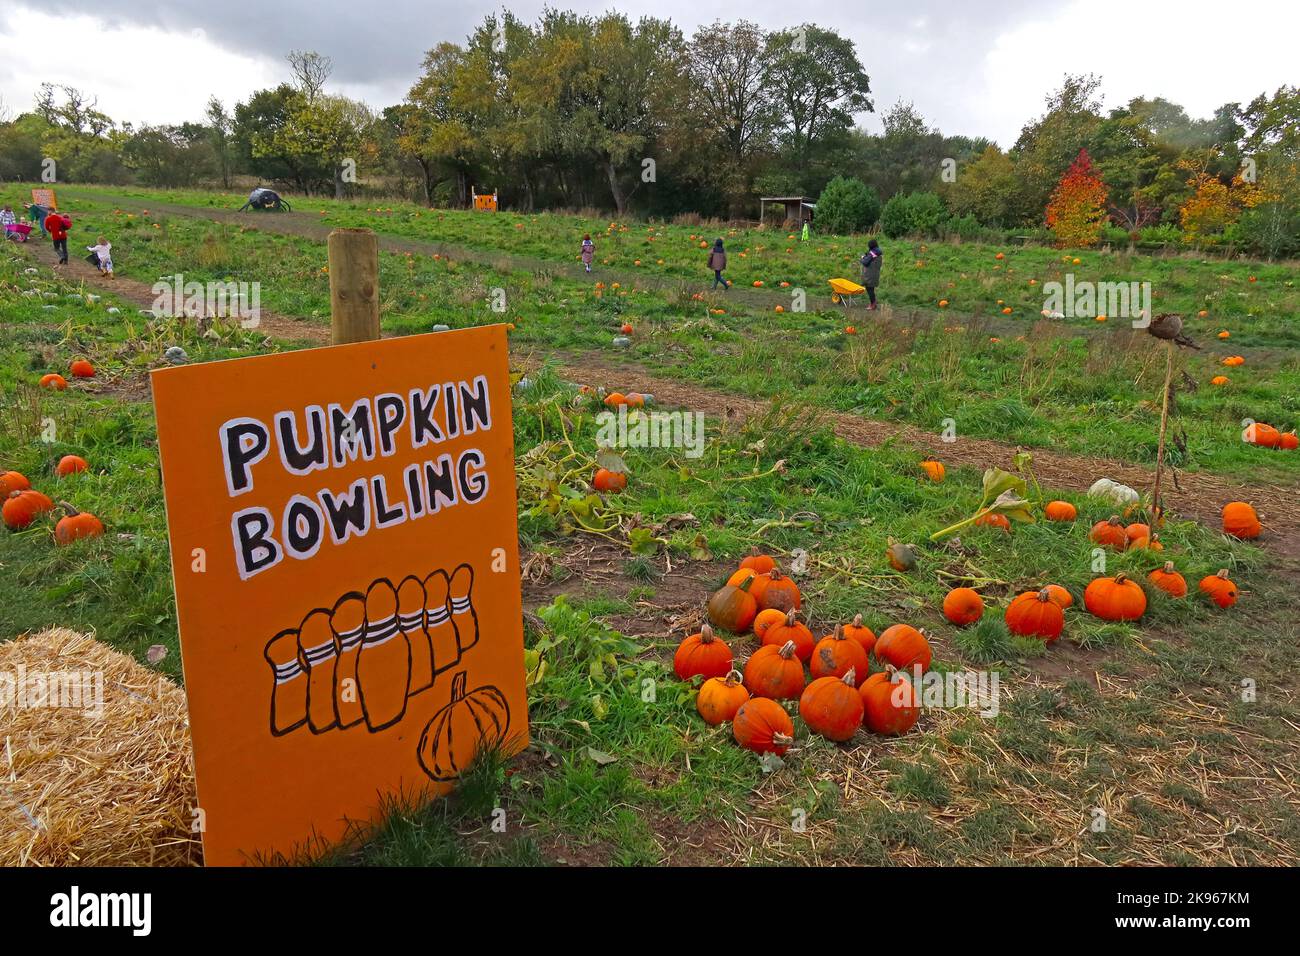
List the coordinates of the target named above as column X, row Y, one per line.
column 57, row 225
column 718, row 262
column 871, row 263
column 103, row 253
column 588, row 252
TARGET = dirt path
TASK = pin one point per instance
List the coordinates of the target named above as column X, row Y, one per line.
column 1199, row 496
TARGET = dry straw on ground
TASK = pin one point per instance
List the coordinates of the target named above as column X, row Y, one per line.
column 76, row 788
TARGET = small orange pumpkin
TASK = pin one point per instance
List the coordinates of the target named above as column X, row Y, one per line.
column 1109, row 533
column 1240, row 520
column 994, row 520
column 1115, row 599
column 609, row 481
column 80, row 368
column 702, row 654
column 70, row 465
column 775, row 672
column 758, row 563
column 732, row 608
column 54, row 380
column 21, row 508
column 720, row 697
column 855, row 630
column 11, row 481
column 963, row 606
column 889, row 704
column 934, row 470
column 762, row 725
column 831, row 707
column 1060, row 511
column 904, row 647
column 1138, row 535
column 76, row 524
column 793, row 630
column 765, row 619
column 1219, row 380
column 837, row 654
column 1035, row 614
column 1169, row 580
column 1220, row 590
column 757, row 582
column 1290, row 441
column 1060, row 595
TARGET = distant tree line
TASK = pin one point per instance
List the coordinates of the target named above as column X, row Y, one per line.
column 581, row 111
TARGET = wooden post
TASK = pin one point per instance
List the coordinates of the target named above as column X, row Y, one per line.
column 1156, row 510
column 354, row 286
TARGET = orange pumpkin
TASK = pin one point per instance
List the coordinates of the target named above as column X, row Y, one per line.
column 76, row 524
column 21, row 508
column 763, row 726
column 70, row 465
column 904, row 647
column 1060, row 511
column 855, row 630
column 1035, row 614
column 1109, row 533
column 1240, row 520
column 11, row 481
column 80, row 368
column 759, row 563
column 1060, row 595
column 780, row 592
column 1169, row 580
column 54, row 381
column 934, row 470
column 614, row 399
column 994, row 520
column 1138, row 535
column 765, row 619
column 831, row 707
column 702, row 654
column 1220, row 590
column 837, row 654
column 889, row 704
column 790, row 628
column 1266, row 436
column 1115, row 599
column 1290, row 441
column 720, row 697
column 733, row 608
column 757, row 582
column 775, row 672
column 1219, row 380
column 609, row 481
column 963, row 606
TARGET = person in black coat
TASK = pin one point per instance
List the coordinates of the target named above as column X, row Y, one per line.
column 871, row 263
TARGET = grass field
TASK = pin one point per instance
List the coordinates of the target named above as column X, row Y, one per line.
column 1145, row 723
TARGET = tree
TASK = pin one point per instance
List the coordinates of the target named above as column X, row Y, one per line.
column 847, row 205
column 913, row 214
column 1077, row 209
column 988, row 188
column 310, row 71
column 1048, row 145
column 220, row 125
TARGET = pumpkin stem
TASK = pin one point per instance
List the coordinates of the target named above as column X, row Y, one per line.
column 458, row 686
column 706, row 634
column 784, row 740
column 1169, row 567
column 790, row 618
column 73, row 512
column 1113, row 519
column 787, row 650
column 851, row 678
column 1044, row 595
column 733, row 678
column 1223, row 573
column 839, row 632
column 744, row 585
column 1121, row 577
column 857, row 620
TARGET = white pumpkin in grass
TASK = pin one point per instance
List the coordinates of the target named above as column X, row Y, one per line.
column 1114, row 492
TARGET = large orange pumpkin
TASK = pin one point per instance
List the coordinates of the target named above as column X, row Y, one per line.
column 904, row 647
column 780, row 593
column 11, row 481
column 889, row 704
column 1060, row 511
column 1266, row 436
column 76, row 524
column 702, row 654
column 775, row 672
column 21, row 508
column 963, row 606
column 1035, row 614
column 831, row 707
column 1240, row 520
column 1169, row 580
column 1109, row 533
column 720, row 697
column 733, row 608
column 790, row 628
column 837, row 654
column 763, row 726
column 1115, row 599
column 1219, row 589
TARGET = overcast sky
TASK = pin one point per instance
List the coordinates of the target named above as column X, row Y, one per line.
column 972, row 68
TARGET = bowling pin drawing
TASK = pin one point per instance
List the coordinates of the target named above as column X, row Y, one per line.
column 463, row 616
column 348, row 622
column 320, row 653
column 384, row 661
column 410, row 617
column 437, row 622
column 289, row 691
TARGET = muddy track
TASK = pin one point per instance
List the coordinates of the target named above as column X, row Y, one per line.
column 1199, row 495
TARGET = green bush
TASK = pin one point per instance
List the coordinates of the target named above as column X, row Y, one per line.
column 847, row 205
column 913, row 214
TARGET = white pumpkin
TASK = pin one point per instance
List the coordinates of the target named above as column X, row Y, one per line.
column 1114, row 492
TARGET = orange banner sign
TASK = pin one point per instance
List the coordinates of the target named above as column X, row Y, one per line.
column 344, row 547
column 46, row 198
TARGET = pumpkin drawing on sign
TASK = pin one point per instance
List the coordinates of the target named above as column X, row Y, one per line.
column 481, row 716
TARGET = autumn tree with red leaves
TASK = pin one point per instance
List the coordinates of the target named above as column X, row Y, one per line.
column 1077, row 210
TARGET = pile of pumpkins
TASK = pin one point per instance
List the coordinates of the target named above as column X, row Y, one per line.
column 1266, row 436
column 23, row 505
column 837, row 694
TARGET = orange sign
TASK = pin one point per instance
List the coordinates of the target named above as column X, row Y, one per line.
column 485, row 203
column 45, row 197
column 345, row 554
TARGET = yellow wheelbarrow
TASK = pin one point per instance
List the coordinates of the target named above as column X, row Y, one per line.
column 843, row 291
